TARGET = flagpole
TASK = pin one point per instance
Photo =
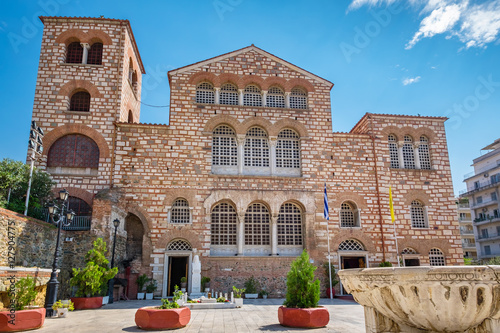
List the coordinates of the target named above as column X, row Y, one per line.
column 393, row 219
column 326, row 213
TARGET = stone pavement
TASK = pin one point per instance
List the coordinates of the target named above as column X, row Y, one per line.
column 255, row 315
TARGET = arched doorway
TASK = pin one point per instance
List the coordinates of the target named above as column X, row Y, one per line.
column 352, row 254
column 135, row 234
column 178, row 259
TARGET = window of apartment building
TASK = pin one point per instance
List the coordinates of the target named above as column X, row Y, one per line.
column 393, row 150
column 423, row 153
column 228, row 94
column 298, row 98
column 205, row 93
column 487, row 250
column 290, row 225
column 349, row 216
column 223, row 225
column 252, row 96
column 484, row 233
column 498, row 230
column 479, row 200
column 224, row 147
column 180, row 213
column 275, row 98
column 493, row 196
column 80, row 101
column 495, row 178
column 495, row 213
column 288, row 149
column 408, row 153
column 418, row 215
column 476, row 184
column 94, row 56
column 74, row 151
column 74, row 53
column 257, row 225
column 256, row 149
column 436, row 257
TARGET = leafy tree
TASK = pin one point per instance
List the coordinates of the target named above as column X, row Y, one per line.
column 302, row 288
column 494, row 261
column 25, row 292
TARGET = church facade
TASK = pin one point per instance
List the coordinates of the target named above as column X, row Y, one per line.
column 237, row 177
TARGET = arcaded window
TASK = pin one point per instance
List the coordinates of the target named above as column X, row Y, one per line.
column 409, row 250
column 74, row 53
column 351, row 245
column 275, row 98
column 423, row 153
column 228, row 94
column 288, row 149
column 224, row 147
column 79, row 206
column 436, row 257
column 95, row 54
column 179, row 245
column 205, row 93
column 298, row 98
column 408, row 153
column 252, row 96
column 180, row 211
column 256, row 148
column 223, row 225
column 290, row 225
column 257, row 225
column 393, row 150
column 418, row 218
column 74, row 151
column 80, row 101
column 348, row 215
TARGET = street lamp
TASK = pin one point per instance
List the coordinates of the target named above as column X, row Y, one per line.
column 111, row 285
column 59, row 215
column 36, row 145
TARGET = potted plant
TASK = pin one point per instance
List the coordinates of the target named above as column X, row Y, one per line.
column 385, row 264
column 300, row 308
column 141, row 281
column 183, row 283
column 89, row 281
column 205, row 283
column 20, row 318
column 151, row 288
column 167, row 316
column 62, row 308
column 251, row 288
column 238, row 301
column 335, row 281
column 263, row 293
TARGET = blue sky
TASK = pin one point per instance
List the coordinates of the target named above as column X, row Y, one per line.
column 427, row 57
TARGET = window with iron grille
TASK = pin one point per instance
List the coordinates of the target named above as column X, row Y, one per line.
column 351, row 245
column 74, row 53
column 224, row 147
column 290, row 225
column 393, row 150
column 408, row 153
column 423, row 154
column 275, row 98
column 418, row 219
column 80, row 101
column 256, row 148
column 288, row 149
column 436, row 257
column 95, row 54
column 179, row 245
column 180, row 211
column 298, row 99
column 252, row 96
column 223, row 225
column 228, row 94
column 348, row 215
column 74, row 150
column 79, row 206
column 408, row 250
column 257, row 225
column 205, row 93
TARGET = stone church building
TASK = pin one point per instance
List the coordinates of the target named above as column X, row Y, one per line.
column 237, row 176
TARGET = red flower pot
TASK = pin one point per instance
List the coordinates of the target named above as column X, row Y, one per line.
column 328, row 292
column 24, row 320
column 152, row 318
column 83, row 303
column 304, row 318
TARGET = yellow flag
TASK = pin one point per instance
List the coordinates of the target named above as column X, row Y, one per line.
column 390, row 204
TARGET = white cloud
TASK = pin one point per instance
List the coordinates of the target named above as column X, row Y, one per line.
column 481, row 25
column 355, row 4
column 410, row 80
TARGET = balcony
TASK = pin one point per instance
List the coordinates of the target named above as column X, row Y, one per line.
column 465, row 219
column 466, row 231
column 479, row 186
column 485, row 202
column 485, row 220
column 80, row 223
column 467, row 245
column 488, row 237
column 463, row 205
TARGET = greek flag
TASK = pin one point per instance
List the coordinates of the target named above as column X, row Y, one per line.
column 326, row 213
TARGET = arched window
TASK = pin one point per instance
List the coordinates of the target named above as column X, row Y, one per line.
column 80, row 101
column 205, row 93
column 257, row 225
column 298, row 99
column 130, row 117
column 79, row 206
column 95, row 54
column 288, row 149
column 228, row 94
column 436, row 257
column 275, row 98
column 423, row 153
column 256, row 148
column 409, row 250
column 179, row 245
column 74, row 151
column 223, row 225
column 74, row 53
column 418, row 216
column 349, row 215
column 408, row 153
column 252, row 96
column 180, row 212
column 351, row 245
column 290, row 225
column 393, row 150
column 224, row 147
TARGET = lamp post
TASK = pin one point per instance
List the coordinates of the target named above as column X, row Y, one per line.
column 35, row 144
column 59, row 215
column 116, row 223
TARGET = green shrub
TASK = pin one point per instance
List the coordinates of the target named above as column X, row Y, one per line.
column 251, row 285
column 151, row 287
column 238, row 292
column 335, row 281
column 385, row 264
column 141, row 281
column 302, row 288
column 184, row 279
column 494, row 261
column 25, row 292
column 165, row 304
column 204, row 281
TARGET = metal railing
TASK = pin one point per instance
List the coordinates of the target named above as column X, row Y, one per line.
column 486, row 200
column 80, row 223
column 465, row 231
column 463, row 205
column 480, row 185
column 466, row 243
column 492, row 235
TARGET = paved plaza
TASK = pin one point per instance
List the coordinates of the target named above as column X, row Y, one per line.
column 255, row 315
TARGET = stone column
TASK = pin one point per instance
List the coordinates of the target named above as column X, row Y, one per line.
column 196, row 276
column 86, row 48
column 274, row 235
column 217, row 95
column 240, row 139
column 287, row 100
column 400, row 154
column 416, row 154
column 240, row 229
column 272, row 152
column 264, row 97
column 240, row 96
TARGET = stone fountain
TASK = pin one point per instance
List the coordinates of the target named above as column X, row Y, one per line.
column 427, row 299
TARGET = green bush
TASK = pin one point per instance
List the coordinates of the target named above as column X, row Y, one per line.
column 204, row 281
column 238, row 292
column 25, row 292
column 302, row 288
column 141, row 281
column 251, row 285
column 335, row 281
column 385, row 264
column 165, row 304
column 494, row 261
column 151, row 287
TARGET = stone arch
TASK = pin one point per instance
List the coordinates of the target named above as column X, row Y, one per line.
column 251, row 79
column 76, row 192
column 419, row 195
column 302, row 83
column 415, row 244
column 355, row 198
column 359, row 235
column 255, row 121
column 226, row 200
column 184, row 193
column 73, row 85
column 217, row 120
column 407, row 130
column 204, row 76
column 259, row 201
column 147, row 224
column 427, row 132
column 90, row 36
column 229, row 78
column 182, row 233
column 63, row 130
column 289, row 123
column 386, row 131
column 274, row 81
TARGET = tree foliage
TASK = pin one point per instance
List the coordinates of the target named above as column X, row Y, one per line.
column 303, row 289
column 25, row 292
column 494, row 261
